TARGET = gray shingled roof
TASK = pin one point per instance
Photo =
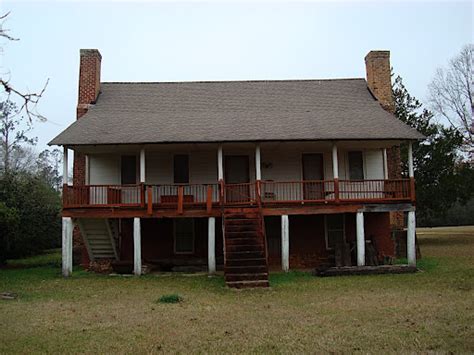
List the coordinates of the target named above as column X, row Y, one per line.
column 234, row 111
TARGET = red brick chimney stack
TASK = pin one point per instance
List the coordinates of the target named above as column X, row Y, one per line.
column 89, row 79
column 377, row 65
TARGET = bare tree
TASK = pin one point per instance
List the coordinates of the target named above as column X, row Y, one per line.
column 13, row 155
column 451, row 94
column 29, row 100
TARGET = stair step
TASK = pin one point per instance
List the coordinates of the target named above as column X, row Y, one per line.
column 248, row 284
column 231, row 229
column 244, row 234
column 246, row 262
column 247, row 269
column 246, row 254
column 242, row 220
column 244, row 241
column 243, row 247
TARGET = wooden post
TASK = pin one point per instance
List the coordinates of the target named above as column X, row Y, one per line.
column 137, row 247
column 360, row 239
column 285, row 243
column 142, row 195
column 385, row 164
column 335, row 172
column 411, row 247
column 220, row 164
column 67, row 246
column 258, row 192
column 65, row 166
column 142, row 165
column 180, row 199
column 209, row 199
column 211, row 245
column 258, row 168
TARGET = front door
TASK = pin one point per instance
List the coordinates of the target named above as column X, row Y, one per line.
column 313, row 174
column 236, row 178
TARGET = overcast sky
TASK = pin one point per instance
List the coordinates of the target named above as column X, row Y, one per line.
column 164, row 41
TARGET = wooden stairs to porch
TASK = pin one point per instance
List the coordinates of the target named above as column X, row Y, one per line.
column 245, row 249
column 98, row 234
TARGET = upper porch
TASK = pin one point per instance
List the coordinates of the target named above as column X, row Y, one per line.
column 200, row 179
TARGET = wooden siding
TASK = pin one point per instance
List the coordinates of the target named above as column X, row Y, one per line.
column 283, row 163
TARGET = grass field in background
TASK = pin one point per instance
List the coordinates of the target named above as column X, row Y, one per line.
column 432, row 310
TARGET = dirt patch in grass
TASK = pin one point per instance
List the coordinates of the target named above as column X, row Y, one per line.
column 430, row 311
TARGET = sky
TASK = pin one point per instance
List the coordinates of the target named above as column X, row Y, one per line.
column 189, row 41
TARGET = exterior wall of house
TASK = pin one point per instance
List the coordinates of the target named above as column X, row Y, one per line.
column 307, row 241
column 283, row 164
column 158, row 243
column 104, row 169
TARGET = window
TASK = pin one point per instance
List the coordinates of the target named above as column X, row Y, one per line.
column 356, row 166
column 335, row 231
column 181, row 169
column 129, row 169
column 184, row 236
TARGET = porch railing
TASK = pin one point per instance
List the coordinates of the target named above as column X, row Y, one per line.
column 262, row 193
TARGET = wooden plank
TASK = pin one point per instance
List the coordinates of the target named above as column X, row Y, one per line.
column 150, row 201
column 209, row 199
column 180, row 199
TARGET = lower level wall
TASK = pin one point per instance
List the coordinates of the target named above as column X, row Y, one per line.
column 308, row 239
column 158, row 243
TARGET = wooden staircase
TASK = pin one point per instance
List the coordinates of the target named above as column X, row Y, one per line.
column 246, row 263
column 98, row 234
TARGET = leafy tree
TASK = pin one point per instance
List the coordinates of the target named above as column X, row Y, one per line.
column 439, row 181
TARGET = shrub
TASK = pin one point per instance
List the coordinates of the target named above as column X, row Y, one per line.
column 29, row 216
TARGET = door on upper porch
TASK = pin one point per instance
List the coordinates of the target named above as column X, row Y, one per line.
column 237, row 172
column 313, row 174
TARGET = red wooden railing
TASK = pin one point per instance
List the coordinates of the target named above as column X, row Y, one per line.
column 102, row 195
column 260, row 193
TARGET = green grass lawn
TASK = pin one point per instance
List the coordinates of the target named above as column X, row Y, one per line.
column 430, row 311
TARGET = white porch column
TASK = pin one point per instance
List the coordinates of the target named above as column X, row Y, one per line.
column 335, row 164
column 67, row 246
column 360, row 239
column 86, row 173
column 142, row 165
column 220, row 164
column 285, row 243
column 137, row 247
column 258, row 169
column 410, row 160
column 211, row 245
column 385, row 164
column 65, row 166
column 411, row 248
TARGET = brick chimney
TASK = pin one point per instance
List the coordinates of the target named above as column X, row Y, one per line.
column 377, row 65
column 89, row 80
